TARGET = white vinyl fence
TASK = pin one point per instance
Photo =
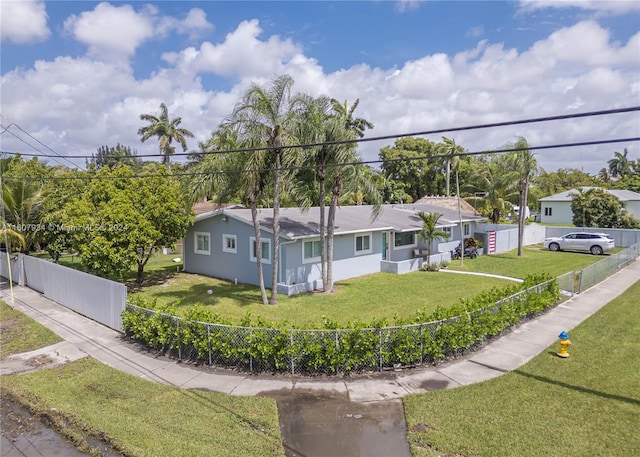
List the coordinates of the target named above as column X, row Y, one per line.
column 97, row 298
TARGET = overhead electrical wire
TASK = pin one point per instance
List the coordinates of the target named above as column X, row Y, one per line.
column 42, row 154
column 383, row 137
column 333, row 165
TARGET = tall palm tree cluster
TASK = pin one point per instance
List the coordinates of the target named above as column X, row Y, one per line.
column 269, row 123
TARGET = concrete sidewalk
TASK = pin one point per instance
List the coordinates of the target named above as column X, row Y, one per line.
column 85, row 337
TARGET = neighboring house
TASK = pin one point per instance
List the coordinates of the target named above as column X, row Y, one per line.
column 556, row 209
column 221, row 243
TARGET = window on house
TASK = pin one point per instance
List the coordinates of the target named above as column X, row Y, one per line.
column 404, row 239
column 266, row 250
column 547, row 211
column 201, row 243
column 447, row 230
column 311, row 251
column 363, row 244
column 229, row 243
column 467, row 229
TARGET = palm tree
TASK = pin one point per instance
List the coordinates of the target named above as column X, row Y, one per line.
column 496, row 179
column 358, row 125
column 21, row 205
column 619, row 166
column 430, row 232
column 166, row 130
column 264, row 117
column 525, row 166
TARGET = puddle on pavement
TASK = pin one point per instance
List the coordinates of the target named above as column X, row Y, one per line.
column 326, row 426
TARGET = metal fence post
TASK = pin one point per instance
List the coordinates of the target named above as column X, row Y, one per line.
column 293, row 371
column 250, row 354
column 380, row 348
column 209, row 342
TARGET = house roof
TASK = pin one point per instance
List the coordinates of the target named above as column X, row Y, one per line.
column 296, row 223
column 622, row 195
column 207, row 207
column 448, row 203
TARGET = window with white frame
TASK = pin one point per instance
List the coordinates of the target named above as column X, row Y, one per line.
column 447, row 230
column 201, row 243
column 311, row 251
column 547, row 211
column 363, row 244
column 404, row 239
column 266, row 249
column 467, row 229
column 229, row 243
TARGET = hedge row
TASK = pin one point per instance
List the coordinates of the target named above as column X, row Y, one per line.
column 257, row 345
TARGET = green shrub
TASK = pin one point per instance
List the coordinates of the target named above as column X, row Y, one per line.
column 259, row 345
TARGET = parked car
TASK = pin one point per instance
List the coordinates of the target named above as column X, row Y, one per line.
column 595, row 243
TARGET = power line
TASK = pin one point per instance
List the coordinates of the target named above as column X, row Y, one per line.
column 341, row 164
column 6, row 129
column 388, row 137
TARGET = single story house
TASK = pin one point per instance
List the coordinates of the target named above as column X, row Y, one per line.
column 556, row 209
column 221, row 243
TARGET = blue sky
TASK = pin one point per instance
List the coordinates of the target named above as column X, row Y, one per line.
column 77, row 75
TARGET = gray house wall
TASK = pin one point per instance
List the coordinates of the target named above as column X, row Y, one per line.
column 220, row 264
column 295, row 273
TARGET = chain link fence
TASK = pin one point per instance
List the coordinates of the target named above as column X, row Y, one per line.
column 576, row 282
column 335, row 351
column 328, row 351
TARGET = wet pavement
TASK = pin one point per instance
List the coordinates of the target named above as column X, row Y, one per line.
column 317, row 425
column 23, row 435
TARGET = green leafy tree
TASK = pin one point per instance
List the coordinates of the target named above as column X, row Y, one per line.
column 120, row 221
column 166, row 130
column 430, row 231
column 409, row 161
column 111, row 157
column 598, row 208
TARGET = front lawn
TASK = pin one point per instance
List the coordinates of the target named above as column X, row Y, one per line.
column 534, row 259
column 587, row 405
column 369, row 298
column 20, row 333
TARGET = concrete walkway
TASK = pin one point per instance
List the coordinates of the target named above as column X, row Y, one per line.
column 318, row 416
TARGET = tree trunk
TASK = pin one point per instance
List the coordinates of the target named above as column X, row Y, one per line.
column 522, row 189
column 335, row 193
column 323, row 225
column 256, row 226
column 276, row 230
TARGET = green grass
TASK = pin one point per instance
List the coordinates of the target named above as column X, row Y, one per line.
column 587, row 405
column 20, row 333
column 159, row 267
column 368, row 298
column 142, row 418
column 534, row 259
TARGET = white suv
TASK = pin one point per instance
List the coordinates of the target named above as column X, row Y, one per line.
column 596, row 243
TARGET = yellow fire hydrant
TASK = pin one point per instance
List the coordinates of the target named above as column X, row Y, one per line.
column 565, row 342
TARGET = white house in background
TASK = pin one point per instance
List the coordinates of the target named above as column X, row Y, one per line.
column 556, row 209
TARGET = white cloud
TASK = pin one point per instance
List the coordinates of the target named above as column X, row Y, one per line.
column 600, row 6
column 194, row 25
column 242, row 53
column 111, row 31
column 23, row 22
column 77, row 105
